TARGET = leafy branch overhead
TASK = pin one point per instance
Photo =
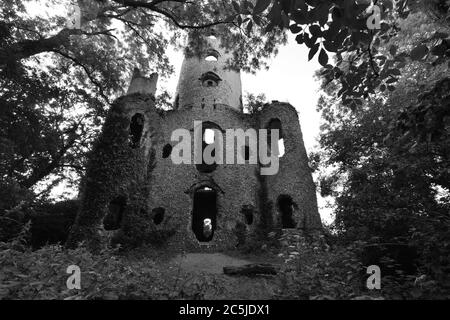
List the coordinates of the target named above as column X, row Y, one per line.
column 340, row 28
column 56, row 63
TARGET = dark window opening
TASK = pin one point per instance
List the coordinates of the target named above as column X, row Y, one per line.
column 276, row 124
column 136, row 128
column 246, row 152
column 158, row 215
column 177, row 101
column 167, row 150
column 113, row 218
column 204, row 214
column 210, row 79
column 248, row 214
column 286, row 209
column 208, row 136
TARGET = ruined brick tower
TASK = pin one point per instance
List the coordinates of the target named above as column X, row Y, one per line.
column 134, row 192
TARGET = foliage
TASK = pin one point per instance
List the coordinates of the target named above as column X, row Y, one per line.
column 51, row 223
column 254, row 103
column 362, row 66
column 59, row 77
column 386, row 162
column 42, row 274
column 323, row 268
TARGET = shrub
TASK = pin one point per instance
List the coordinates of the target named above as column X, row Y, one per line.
column 51, row 222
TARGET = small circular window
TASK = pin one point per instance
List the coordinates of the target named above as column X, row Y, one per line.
column 210, row 83
column 210, row 79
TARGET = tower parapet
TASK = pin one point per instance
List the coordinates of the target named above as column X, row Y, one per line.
column 141, row 84
column 206, row 79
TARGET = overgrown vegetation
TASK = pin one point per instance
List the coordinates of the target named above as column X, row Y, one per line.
column 384, row 146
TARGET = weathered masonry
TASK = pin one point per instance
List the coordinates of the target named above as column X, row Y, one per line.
column 133, row 192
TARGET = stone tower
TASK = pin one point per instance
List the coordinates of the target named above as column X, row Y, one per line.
column 207, row 80
column 135, row 190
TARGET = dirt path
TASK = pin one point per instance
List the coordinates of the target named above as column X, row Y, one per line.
column 201, row 276
column 207, row 262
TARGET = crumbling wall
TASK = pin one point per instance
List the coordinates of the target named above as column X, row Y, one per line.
column 118, row 169
column 294, row 178
column 173, row 185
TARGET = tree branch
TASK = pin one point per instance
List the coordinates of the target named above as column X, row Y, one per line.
column 88, row 73
column 27, row 48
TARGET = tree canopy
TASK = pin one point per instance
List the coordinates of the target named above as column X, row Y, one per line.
column 60, row 70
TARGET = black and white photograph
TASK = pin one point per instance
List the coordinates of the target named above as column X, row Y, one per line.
column 247, row 152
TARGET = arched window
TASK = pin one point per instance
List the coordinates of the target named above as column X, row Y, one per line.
column 158, row 215
column 177, row 102
column 246, row 152
column 276, row 124
column 210, row 79
column 136, row 128
column 286, row 208
column 204, row 214
column 208, row 137
column 113, row 218
column 247, row 211
column 212, row 55
column 280, row 148
column 167, row 150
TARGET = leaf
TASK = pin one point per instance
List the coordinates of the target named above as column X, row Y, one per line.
column 439, row 50
column 249, row 27
column 257, row 20
column 313, row 51
column 260, row 6
column 236, row 7
column 323, row 57
column 330, row 46
column 395, row 72
column 269, row 28
column 322, row 13
column 315, row 30
column 299, row 17
column 392, row 80
column 418, row 52
column 295, row 28
column 440, row 35
column 393, row 50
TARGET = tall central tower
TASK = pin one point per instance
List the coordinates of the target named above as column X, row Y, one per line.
column 206, row 77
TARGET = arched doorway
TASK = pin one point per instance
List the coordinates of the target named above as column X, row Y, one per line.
column 286, row 208
column 204, row 214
